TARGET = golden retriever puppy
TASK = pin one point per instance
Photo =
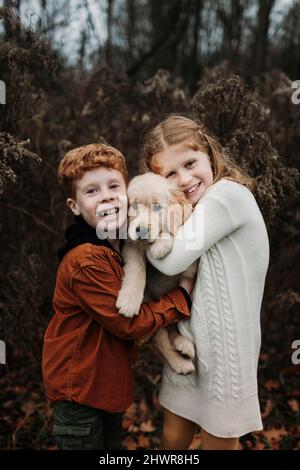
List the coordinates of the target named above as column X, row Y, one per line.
column 156, row 211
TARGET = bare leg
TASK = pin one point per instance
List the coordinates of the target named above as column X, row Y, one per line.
column 177, row 432
column 210, row 442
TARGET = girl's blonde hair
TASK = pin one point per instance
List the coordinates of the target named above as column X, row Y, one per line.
column 178, row 129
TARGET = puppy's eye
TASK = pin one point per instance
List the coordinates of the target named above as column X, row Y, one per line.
column 156, row 207
column 133, row 208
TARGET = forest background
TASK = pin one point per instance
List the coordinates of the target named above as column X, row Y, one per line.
column 81, row 71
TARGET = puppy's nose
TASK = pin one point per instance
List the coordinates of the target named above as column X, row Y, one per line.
column 141, row 231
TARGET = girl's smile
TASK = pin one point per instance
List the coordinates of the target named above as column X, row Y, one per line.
column 193, row 190
column 189, row 169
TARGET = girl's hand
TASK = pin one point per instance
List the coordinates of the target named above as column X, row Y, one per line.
column 187, row 283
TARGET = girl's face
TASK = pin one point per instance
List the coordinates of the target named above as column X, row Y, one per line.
column 189, row 169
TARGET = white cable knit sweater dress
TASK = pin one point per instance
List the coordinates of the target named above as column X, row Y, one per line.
column 227, row 232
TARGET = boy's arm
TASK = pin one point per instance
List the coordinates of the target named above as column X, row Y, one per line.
column 96, row 288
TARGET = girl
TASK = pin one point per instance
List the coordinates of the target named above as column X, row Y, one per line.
column 227, row 232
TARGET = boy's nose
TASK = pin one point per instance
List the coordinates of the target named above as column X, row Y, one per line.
column 107, row 196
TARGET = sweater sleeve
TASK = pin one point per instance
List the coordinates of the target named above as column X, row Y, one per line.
column 96, row 287
column 215, row 216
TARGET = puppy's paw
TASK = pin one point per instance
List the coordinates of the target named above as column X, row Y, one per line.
column 184, row 346
column 129, row 301
column 181, row 366
column 161, row 248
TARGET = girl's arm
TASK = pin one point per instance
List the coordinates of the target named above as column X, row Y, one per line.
column 216, row 216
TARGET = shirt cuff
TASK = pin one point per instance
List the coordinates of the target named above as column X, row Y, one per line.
column 187, row 297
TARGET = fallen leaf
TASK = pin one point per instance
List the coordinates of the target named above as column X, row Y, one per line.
column 271, row 384
column 147, row 426
column 264, row 356
column 129, row 443
column 294, row 404
column 29, row 408
column 259, row 445
column 268, row 409
column 274, row 436
column 144, row 410
column 143, row 441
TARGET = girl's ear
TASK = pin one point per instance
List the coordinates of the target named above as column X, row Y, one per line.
column 71, row 203
column 179, row 209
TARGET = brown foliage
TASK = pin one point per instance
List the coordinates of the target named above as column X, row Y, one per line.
column 59, row 108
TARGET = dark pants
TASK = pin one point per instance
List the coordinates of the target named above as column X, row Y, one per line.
column 79, row 427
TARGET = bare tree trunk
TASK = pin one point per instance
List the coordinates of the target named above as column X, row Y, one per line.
column 261, row 43
column 82, row 49
column 109, row 23
column 232, row 20
column 195, row 56
column 130, row 26
column 11, row 29
column 160, row 35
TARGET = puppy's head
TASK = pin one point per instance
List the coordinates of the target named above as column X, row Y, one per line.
column 155, row 207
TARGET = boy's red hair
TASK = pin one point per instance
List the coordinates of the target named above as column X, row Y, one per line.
column 88, row 157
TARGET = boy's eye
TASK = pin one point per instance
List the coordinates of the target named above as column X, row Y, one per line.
column 114, row 186
column 156, row 207
column 91, row 191
column 169, row 175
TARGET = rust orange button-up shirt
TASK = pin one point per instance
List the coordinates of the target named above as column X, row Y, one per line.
column 89, row 349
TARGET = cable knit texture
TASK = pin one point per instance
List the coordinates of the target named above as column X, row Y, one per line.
column 227, row 232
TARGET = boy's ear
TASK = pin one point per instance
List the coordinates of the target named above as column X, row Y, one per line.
column 71, row 203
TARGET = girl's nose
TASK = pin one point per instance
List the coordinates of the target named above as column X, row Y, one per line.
column 184, row 178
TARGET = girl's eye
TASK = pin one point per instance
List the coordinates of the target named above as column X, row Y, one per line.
column 169, row 175
column 91, row 191
column 156, row 207
column 189, row 164
column 114, row 186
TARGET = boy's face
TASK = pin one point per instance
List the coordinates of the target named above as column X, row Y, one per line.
column 101, row 199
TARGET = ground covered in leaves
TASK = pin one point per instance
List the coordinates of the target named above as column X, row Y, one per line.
column 52, row 108
column 25, row 416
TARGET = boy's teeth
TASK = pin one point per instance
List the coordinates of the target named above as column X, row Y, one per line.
column 106, row 212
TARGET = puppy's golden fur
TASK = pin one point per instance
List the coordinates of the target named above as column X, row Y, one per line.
column 156, row 211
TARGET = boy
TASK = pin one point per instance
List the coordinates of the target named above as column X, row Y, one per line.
column 89, row 352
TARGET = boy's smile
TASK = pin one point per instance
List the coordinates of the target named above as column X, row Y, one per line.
column 101, row 200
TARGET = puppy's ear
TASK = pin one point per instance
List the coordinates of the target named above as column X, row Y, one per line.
column 180, row 208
